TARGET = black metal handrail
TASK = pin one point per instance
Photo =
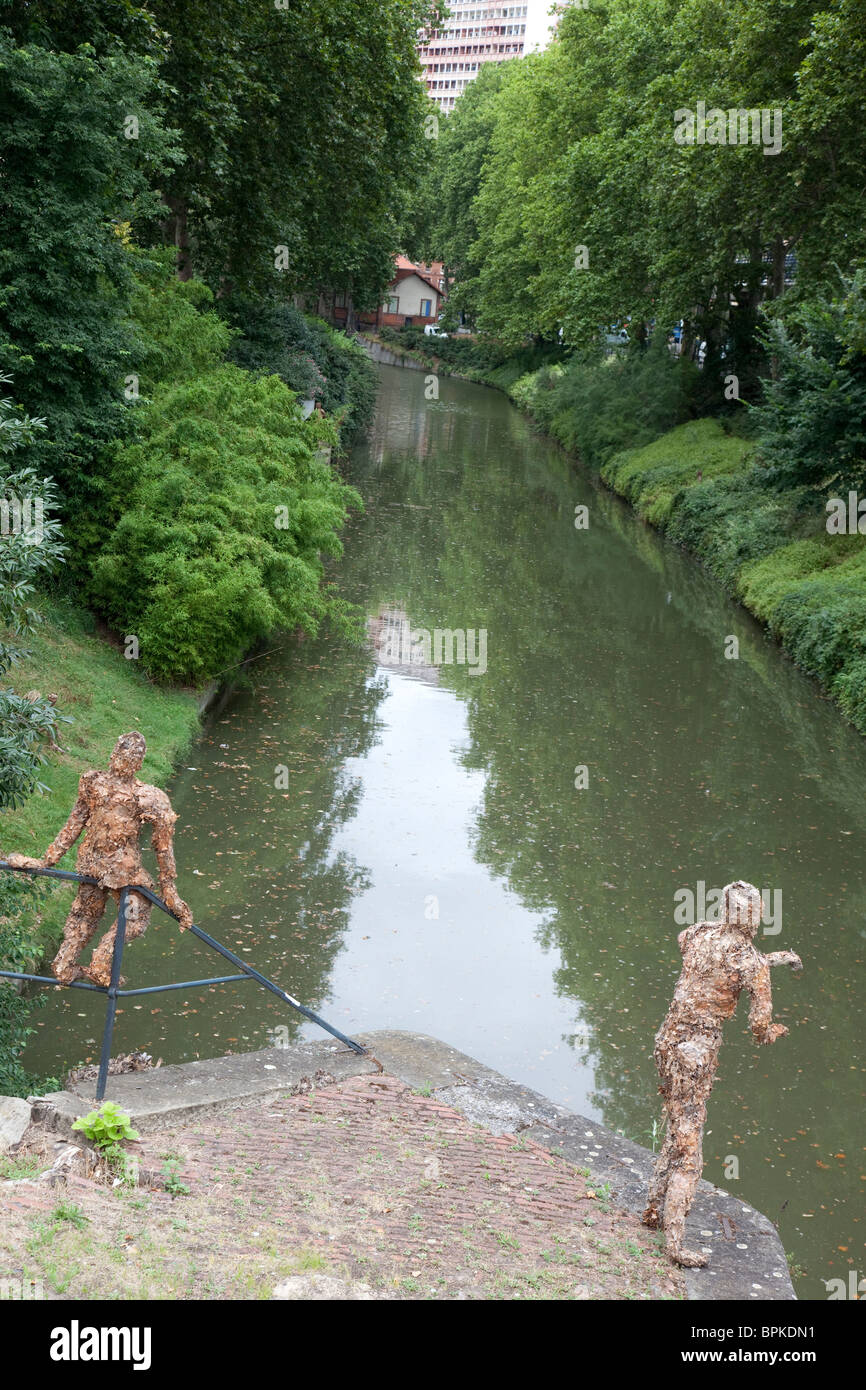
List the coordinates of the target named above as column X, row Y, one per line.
column 113, row 990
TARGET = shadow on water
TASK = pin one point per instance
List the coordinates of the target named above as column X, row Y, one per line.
column 407, row 847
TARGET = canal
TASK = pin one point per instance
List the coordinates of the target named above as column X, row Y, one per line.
column 499, row 851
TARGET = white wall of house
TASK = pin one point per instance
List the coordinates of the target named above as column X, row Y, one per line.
column 411, row 294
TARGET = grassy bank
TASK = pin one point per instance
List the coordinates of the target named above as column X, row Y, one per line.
column 104, row 695
column 702, row 487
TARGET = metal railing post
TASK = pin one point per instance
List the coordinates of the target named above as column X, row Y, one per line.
column 113, row 990
column 111, row 1003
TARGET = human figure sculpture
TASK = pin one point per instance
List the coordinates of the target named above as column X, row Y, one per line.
column 111, row 810
column 719, row 962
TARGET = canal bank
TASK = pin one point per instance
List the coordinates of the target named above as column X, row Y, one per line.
column 555, row 1199
column 432, row 865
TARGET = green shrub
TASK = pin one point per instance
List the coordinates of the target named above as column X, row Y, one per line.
column 315, row 360
column 730, row 522
column 764, row 583
column 228, row 509
column 598, row 408
column 179, row 334
column 822, row 621
column 849, row 688
column 653, row 477
column 811, row 424
column 26, row 724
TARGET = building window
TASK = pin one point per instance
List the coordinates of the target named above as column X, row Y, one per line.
column 427, row 308
column 392, row 305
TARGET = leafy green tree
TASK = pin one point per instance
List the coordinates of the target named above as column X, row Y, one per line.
column 811, row 424
column 71, row 182
column 302, row 127
column 446, row 223
column 229, row 507
column 64, row 25
column 580, row 209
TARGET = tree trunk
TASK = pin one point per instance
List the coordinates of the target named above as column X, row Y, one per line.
column 176, row 230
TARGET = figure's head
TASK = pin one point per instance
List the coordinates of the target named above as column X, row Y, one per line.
column 128, row 755
column 742, row 906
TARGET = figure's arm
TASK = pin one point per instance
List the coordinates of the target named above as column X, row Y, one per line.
column 761, row 1011
column 68, row 835
column 163, row 844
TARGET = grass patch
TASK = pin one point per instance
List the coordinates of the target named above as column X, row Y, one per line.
column 653, row 477
column 105, row 696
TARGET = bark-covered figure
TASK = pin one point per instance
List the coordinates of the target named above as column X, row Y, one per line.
column 719, row 962
column 111, row 810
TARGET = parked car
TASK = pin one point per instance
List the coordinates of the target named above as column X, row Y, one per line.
column 433, row 330
column 616, row 337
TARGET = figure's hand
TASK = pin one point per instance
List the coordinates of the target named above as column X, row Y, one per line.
column 23, row 861
column 785, row 958
column 775, row 1030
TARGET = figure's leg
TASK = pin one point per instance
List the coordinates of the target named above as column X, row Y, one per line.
column 138, row 911
column 658, row 1186
column 81, row 924
column 686, row 1166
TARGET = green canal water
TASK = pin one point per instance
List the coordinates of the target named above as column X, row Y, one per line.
column 404, row 845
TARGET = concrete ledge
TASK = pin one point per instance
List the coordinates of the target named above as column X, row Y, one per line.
column 747, row 1261
column 170, row 1096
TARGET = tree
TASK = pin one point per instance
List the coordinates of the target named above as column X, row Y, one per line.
column 228, row 510
column 71, row 183
column 445, row 226
column 812, row 421
column 303, row 129
column 580, row 208
column 30, row 546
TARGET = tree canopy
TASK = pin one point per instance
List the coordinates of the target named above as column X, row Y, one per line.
column 560, row 194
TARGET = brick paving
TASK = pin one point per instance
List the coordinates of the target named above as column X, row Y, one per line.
column 374, row 1183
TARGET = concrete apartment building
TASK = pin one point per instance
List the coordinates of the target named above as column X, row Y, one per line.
column 479, row 32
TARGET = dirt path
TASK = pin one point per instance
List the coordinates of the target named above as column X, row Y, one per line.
column 366, row 1181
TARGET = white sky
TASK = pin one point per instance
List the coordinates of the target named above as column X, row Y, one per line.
column 538, row 24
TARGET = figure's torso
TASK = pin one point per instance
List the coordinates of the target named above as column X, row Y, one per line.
column 716, row 968
column 110, row 850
